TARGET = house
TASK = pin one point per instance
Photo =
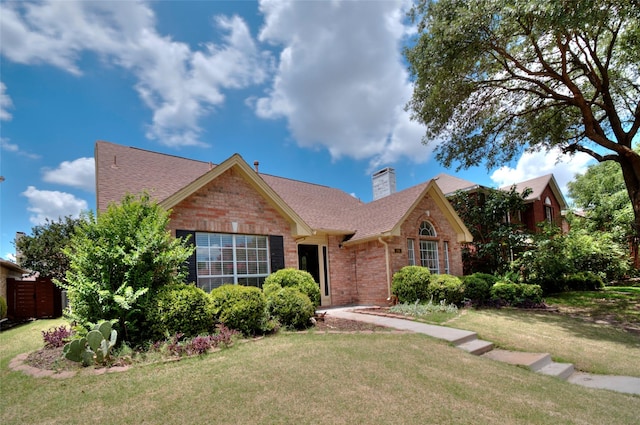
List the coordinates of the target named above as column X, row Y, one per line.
column 246, row 224
column 544, row 203
column 9, row 270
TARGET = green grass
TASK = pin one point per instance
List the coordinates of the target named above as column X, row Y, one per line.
column 307, row 378
column 619, row 303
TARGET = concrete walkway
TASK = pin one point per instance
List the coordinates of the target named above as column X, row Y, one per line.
column 468, row 341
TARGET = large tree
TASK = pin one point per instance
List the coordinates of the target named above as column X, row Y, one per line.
column 495, row 77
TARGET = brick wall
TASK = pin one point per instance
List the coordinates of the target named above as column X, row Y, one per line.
column 229, row 198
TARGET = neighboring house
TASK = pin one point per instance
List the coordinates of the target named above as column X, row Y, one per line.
column 544, row 203
column 246, row 225
column 9, row 270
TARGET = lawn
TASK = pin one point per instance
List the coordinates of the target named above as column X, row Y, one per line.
column 307, row 378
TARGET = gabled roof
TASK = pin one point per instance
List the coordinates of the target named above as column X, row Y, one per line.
column 537, row 186
column 450, row 184
column 310, row 207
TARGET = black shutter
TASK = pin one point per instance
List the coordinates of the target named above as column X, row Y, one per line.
column 276, row 246
column 191, row 261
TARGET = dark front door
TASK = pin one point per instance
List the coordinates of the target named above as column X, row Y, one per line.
column 308, row 260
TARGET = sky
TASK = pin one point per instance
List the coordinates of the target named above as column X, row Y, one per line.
column 313, row 90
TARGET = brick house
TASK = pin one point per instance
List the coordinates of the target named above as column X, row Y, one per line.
column 246, row 224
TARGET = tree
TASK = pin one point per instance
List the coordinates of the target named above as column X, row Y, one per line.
column 489, row 216
column 42, row 250
column 118, row 263
column 601, row 193
column 495, row 77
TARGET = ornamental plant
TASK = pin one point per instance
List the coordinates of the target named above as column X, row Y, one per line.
column 299, row 279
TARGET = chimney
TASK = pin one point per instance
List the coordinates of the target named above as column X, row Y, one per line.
column 384, row 183
column 256, row 164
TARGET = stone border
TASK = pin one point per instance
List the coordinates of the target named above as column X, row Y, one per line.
column 18, row 364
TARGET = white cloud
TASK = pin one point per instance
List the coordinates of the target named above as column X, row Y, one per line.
column 179, row 85
column 80, row 173
column 52, row 205
column 536, row 164
column 12, row 147
column 5, row 103
column 341, row 82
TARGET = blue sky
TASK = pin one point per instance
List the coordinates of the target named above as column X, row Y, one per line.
column 314, row 90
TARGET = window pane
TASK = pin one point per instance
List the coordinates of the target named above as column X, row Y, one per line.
column 429, row 255
column 426, row 229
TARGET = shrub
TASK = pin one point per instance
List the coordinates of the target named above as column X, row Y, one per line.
column 181, row 308
column 243, row 308
column 56, row 337
column 516, row 294
column 410, row 284
column 299, row 279
column 584, row 281
column 3, row 307
column 290, row 307
column 445, row 287
column 477, row 287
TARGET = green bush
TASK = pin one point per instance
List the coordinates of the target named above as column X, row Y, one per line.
column 3, row 307
column 445, row 287
column 410, row 284
column 181, row 308
column 290, row 307
column 584, row 281
column 299, row 279
column 243, row 308
column 477, row 287
column 516, row 294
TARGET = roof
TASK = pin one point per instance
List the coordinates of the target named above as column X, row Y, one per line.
column 311, row 207
column 450, row 184
column 12, row 266
column 537, row 186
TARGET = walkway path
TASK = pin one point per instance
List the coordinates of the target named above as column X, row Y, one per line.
column 468, row 341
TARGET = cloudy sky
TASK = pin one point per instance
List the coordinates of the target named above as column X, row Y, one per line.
column 314, row 90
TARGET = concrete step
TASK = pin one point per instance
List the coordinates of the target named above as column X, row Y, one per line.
column 477, row 346
column 534, row 361
column 560, row 370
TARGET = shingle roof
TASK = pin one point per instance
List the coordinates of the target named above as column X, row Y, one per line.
column 121, row 170
column 449, row 184
column 537, row 186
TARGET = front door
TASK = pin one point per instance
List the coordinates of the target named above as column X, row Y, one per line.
column 309, row 260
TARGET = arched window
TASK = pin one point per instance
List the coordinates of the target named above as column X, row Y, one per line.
column 426, row 229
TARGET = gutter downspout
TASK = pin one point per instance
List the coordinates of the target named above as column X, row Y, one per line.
column 386, row 257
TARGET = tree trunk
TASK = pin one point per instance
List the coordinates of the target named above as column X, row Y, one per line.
column 630, row 165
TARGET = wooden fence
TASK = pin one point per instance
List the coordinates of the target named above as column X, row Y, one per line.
column 29, row 299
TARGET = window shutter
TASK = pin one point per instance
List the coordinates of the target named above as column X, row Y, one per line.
column 191, row 261
column 276, row 247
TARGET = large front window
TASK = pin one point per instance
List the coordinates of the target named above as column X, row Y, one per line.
column 429, row 256
column 229, row 258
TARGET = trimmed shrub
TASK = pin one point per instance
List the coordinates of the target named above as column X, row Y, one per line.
column 243, row 308
column 410, row 284
column 299, row 279
column 290, row 307
column 3, row 307
column 477, row 287
column 516, row 294
column 584, row 281
column 445, row 287
column 181, row 308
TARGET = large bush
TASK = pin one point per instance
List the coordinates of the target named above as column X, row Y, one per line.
column 3, row 307
column 243, row 308
column 118, row 263
column 477, row 287
column 299, row 279
column 411, row 283
column 289, row 307
column 181, row 308
column 516, row 294
column 445, row 287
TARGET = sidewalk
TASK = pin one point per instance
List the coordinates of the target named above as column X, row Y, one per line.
column 468, row 341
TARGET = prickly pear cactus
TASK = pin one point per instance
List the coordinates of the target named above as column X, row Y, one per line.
column 95, row 347
column 74, row 349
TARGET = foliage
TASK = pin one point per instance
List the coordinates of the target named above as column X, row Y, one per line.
column 299, row 279
column 95, row 347
column 243, row 308
column 445, row 287
column 555, row 256
column 181, row 308
column 496, row 236
column 493, row 78
column 601, row 194
column 42, row 251
column 477, row 287
column 57, row 336
column 411, row 283
column 290, row 307
column 198, row 345
column 418, row 309
column 584, row 281
column 119, row 261
column 3, row 307
column 516, row 294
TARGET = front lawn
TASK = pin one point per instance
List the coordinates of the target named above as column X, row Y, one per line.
column 307, row 378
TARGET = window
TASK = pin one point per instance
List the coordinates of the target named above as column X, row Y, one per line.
column 446, row 257
column 426, row 229
column 411, row 252
column 548, row 210
column 429, row 256
column 225, row 258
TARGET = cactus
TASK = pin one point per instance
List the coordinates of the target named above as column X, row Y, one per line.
column 95, row 348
